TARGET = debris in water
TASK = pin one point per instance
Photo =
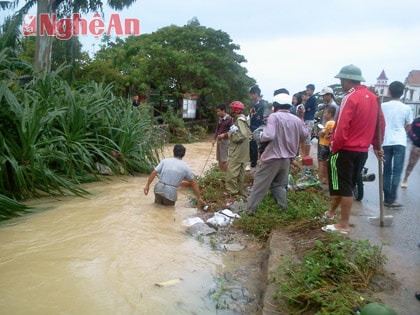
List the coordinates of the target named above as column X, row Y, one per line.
column 168, row 283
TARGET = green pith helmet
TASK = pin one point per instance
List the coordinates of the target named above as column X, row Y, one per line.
column 350, row 72
column 377, row 309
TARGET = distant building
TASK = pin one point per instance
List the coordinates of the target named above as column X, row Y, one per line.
column 381, row 86
column 412, row 87
column 412, row 92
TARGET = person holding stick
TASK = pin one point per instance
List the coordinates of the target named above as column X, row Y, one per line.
column 355, row 130
column 221, row 136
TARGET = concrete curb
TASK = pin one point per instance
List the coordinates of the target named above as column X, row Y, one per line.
column 279, row 248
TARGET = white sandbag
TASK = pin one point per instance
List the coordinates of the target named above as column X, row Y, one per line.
column 192, row 221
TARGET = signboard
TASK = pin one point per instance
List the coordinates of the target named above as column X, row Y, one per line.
column 189, row 108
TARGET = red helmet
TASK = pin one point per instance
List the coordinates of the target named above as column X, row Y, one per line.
column 237, row 106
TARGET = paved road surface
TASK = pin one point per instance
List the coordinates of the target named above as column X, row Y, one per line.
column 402, row 237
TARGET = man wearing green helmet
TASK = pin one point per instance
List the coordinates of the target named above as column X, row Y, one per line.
column 355, row 130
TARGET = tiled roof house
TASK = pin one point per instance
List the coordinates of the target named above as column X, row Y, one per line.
column 412, row 87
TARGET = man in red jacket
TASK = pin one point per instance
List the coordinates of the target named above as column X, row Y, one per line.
column 355, row 130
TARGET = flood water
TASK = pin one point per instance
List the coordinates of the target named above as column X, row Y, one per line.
column 103, row 254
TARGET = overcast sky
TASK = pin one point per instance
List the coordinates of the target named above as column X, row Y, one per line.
column 290, row 43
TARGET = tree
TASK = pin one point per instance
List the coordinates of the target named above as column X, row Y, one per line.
column 177, row 60
column 10, row 34
column 69, row 53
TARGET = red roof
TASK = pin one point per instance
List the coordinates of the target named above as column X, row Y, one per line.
column 382, row 76
column 413, row 78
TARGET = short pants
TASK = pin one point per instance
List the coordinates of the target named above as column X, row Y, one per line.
column 343, row 169
column 323, row 152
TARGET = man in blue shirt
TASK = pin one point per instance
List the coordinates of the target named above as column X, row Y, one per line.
column 256, row 115
column 309, row 116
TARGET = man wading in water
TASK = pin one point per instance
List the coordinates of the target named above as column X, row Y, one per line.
column 172, row 172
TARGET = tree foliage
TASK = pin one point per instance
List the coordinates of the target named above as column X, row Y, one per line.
column 176, row 60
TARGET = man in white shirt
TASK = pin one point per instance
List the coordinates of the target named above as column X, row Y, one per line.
column 398, row 117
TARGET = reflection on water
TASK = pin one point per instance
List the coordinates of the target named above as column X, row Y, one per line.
column 103, row 254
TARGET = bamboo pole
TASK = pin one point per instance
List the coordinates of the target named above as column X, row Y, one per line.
column 380, row 173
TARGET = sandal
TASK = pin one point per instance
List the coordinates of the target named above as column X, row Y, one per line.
column 332, row 228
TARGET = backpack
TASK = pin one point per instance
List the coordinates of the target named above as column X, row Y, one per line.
column 414, row 132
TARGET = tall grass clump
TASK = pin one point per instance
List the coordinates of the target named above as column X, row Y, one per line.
column 52, row 137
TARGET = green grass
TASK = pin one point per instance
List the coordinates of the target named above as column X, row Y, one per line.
column 331, row 279
column 330, row 274
column 301, row 205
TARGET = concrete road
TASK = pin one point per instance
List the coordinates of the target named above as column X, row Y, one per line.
column 401, row 238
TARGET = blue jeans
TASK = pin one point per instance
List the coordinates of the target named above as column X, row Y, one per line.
column 393, row 166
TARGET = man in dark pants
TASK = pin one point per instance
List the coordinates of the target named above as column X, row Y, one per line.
column 256, row 115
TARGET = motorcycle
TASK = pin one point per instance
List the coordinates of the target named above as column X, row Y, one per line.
column 364, row 176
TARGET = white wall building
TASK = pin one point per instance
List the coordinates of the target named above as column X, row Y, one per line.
column 412, row 92
column 381, row 86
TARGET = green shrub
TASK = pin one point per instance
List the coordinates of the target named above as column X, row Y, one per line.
column 53, row 136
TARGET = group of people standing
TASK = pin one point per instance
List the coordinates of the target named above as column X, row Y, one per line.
column 276, row 137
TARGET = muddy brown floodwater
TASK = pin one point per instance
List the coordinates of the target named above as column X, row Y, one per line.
column 103, row 254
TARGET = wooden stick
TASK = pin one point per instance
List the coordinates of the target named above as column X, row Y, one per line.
column 381, row 178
